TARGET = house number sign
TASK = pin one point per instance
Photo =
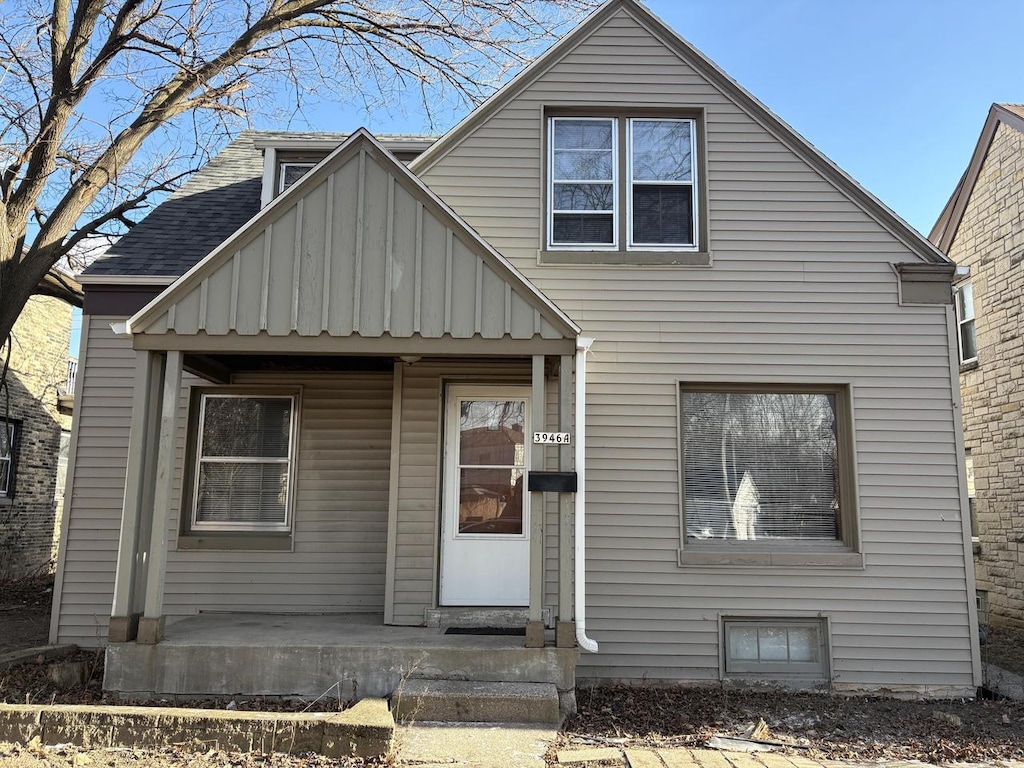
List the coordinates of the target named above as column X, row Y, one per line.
column 552, row 438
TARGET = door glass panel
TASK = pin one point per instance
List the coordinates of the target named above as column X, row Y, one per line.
column 491, row 501
column 492, row 456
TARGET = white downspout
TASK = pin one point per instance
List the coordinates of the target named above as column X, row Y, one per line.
column 582, row 347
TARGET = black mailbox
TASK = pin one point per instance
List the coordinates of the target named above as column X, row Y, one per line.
column 553, row 481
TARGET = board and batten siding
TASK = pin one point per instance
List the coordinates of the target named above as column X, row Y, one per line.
column 800, row 290
column 340, row 539
column 355, row 249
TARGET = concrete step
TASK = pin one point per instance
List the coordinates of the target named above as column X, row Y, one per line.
column 481, row 617
column 461, row 701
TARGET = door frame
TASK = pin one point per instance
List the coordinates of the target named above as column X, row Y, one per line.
column 452, row 395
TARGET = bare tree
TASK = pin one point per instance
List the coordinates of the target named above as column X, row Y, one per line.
column 106, row 106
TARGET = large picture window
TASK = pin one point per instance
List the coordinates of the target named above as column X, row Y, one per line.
column 766, row 466
column 622, row 184
column 242, row 476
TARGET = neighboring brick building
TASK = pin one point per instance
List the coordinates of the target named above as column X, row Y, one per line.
column 982, row 228
column 37, row 408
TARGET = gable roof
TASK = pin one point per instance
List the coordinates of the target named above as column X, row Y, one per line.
column 945, row 228
column 213, row 204
column 337, row 268
column 845, row 184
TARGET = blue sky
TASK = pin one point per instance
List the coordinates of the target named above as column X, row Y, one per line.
column 894, row 91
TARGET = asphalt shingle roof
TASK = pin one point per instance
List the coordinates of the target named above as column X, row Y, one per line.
column 209, row 208
column 205, row 211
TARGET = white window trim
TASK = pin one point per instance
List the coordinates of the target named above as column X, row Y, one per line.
column 614, row 245
column 622, row 189
column 281, row 167
column 631, row 183
column 195, row 524
column 962, row 321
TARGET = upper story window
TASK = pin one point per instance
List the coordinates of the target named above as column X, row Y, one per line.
column 289, row 173
column 968, row 341
column 622, row 185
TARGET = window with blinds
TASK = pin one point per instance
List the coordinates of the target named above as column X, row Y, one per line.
column 763, row 466
column 243, row 462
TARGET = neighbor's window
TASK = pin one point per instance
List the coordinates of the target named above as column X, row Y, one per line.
column 244, row 454
column 764, row 465
column 8, row 434
column 965, row 322
column 787, row 647
column 289, row 173
column 655, row 205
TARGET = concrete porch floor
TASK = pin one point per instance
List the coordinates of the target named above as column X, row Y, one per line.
column 337, row 656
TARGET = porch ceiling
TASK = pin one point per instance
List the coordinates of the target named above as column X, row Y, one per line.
column 359, row 249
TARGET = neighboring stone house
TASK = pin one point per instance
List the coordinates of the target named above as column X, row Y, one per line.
column 36, row 408
column 982, row 230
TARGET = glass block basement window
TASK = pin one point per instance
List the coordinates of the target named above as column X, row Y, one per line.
column 776, row 647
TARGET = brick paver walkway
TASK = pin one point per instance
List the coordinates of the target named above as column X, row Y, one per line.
column 612, row 757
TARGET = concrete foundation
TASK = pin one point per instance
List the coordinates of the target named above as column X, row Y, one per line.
column 342, row 657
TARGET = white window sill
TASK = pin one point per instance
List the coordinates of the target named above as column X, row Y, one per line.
column 734, row 555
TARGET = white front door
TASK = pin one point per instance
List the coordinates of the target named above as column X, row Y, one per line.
column 485, row 520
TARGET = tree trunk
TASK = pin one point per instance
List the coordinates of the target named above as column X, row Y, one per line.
column 17, row 283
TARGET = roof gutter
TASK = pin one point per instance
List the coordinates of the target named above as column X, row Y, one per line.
column 584, row 642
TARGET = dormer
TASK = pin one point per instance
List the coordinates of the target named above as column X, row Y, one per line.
column 287, row 157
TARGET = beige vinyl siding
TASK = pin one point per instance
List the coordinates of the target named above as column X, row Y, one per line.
column 800, row 290
column 340, row 528
column 340, row 536
column 419, row 494
column 95, row 493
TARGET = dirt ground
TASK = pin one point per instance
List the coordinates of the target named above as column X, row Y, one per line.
column 25, row 613
column 817, row 725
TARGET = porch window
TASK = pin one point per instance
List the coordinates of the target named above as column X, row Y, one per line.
column 8, row 435
column 766, row 467
column 243, row 465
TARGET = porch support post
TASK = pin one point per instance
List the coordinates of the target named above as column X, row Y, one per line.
column 129, row 581
column 565, row 628
column 151, row 625
column 535, row 625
